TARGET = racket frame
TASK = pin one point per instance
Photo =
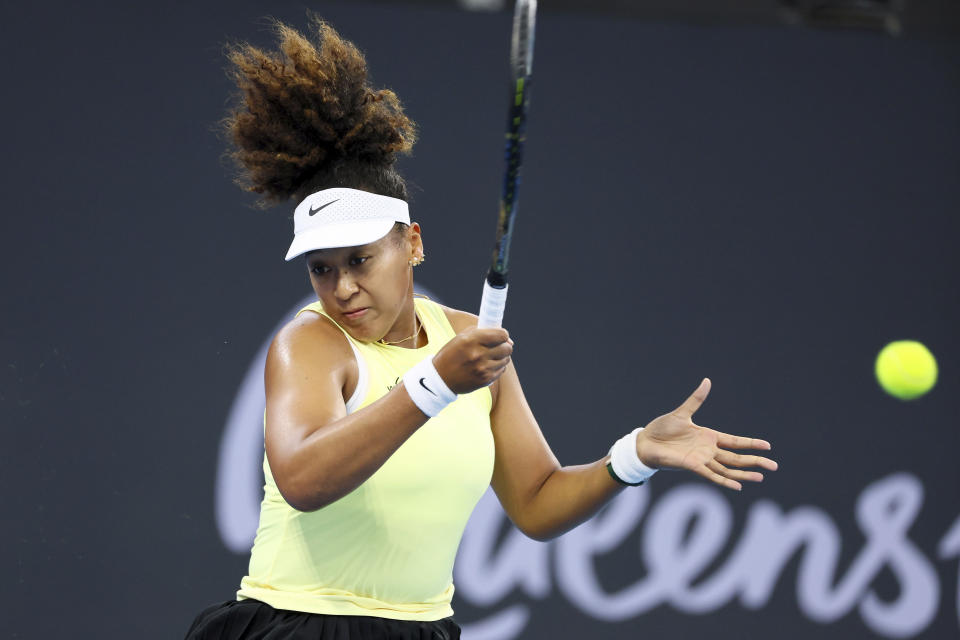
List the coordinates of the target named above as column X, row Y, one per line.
column 493, row 302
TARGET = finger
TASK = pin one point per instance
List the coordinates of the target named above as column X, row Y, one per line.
column 734, row 474
column 713, row 476
column 691, row 404
column 496, row 373
column 498, row 365
column 728, row 441
column 500, row 351
column 492, row 337
column 739, row 460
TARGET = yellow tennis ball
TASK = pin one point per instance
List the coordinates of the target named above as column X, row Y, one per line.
column 906, row 369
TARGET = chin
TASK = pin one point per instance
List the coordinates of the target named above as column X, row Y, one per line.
column 364, row 334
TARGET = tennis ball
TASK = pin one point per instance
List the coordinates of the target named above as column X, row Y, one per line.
column 906, row 369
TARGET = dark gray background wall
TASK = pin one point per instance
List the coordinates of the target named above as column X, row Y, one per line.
column 762, row 205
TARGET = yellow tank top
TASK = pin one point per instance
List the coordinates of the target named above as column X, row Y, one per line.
column 387, row 548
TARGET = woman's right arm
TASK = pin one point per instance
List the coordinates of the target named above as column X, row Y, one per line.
column 317, row 452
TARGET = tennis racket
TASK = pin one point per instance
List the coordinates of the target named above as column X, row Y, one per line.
column 494, row 299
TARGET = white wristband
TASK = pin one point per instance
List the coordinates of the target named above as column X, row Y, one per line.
column 626, row 463
column 426, row 388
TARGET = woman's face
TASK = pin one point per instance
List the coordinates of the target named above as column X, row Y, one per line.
column 367, row 288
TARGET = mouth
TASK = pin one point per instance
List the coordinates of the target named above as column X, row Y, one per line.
column 355, row 314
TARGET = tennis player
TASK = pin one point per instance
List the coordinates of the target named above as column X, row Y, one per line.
column 388, row 415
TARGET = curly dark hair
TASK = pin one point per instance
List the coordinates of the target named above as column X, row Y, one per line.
column 307, row 119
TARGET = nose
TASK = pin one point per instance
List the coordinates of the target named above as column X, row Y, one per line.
column 346, row 286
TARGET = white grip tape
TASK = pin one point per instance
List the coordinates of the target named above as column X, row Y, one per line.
column 625, row 461
column 426, row 388
column 492, row 305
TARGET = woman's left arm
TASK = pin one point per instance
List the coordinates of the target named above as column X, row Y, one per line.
column 542, row 498
column 545, row 500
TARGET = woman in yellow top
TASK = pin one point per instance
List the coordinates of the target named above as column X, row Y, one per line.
column 387, row 415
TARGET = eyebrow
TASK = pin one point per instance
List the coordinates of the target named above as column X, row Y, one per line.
column 319, row 259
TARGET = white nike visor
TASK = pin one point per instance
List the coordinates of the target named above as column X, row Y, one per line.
column 343, row 218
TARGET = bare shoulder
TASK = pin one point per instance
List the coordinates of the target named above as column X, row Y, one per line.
column 309, row 338
column 459, row 320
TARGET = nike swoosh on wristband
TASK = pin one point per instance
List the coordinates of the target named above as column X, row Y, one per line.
column 425, row 386
column 313, row 211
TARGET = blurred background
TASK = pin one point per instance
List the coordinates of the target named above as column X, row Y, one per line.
column 764, row 192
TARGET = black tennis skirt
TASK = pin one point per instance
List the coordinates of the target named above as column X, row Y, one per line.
column 255, row 620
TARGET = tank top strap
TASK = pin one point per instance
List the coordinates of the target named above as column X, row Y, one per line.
column 431, row 315
column 363, row 371
column 435, row 321
column 317, row 307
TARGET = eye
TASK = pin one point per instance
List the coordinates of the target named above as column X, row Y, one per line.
column 358, row 260
column 319, row 269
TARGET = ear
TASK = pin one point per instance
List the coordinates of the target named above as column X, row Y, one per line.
column 416, row 241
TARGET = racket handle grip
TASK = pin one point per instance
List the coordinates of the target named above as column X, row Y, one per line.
column 492, row 305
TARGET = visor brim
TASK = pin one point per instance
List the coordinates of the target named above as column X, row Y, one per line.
column 344, row 234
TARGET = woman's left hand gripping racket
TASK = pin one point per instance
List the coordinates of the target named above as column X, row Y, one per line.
column 494, row 299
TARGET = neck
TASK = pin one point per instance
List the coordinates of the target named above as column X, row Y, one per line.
column 407, row 332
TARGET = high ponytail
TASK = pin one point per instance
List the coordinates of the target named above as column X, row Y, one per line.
column 307, row 119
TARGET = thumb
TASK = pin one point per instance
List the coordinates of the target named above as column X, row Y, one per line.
column 691, row 404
